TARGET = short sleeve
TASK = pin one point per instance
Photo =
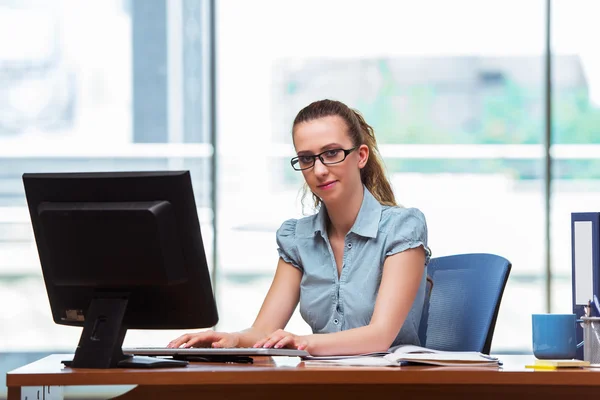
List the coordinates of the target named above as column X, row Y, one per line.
column 287, row 246
column 408, row 231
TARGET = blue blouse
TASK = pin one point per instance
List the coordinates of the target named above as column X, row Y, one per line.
column 329, row 303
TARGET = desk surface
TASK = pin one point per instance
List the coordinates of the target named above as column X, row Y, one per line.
column 281, row 377
column 291, row 370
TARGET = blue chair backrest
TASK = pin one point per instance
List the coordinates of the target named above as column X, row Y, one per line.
column 461, row 309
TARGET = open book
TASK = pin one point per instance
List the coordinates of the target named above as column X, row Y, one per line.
column 410, row 354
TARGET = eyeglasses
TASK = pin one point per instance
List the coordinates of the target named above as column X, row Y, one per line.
column 328, row 157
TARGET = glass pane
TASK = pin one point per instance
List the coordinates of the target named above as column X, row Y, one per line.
column 456, row 100
column 576, row 120
column 94, row 86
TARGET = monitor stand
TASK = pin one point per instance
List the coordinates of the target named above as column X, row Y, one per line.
column 102, row 338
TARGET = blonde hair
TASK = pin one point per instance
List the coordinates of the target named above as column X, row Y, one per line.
column 373, row 173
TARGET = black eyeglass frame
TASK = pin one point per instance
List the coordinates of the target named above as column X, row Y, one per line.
column 296, row 160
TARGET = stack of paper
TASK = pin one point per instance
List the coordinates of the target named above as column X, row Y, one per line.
column 409, row 354
column 555, row 364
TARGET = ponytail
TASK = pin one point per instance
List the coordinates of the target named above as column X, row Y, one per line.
column 373, row 173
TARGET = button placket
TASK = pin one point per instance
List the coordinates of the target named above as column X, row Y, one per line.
column 347, row 255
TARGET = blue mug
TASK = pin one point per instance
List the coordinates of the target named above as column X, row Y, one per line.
column 554, row 336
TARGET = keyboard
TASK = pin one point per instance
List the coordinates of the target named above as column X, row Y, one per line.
column 209, row 351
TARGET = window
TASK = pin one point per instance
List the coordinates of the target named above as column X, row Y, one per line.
column 95, row 86
column 576, row 129
column 464, row 151
column 456, row 100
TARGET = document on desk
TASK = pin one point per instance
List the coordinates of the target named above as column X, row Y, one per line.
column 410, row 355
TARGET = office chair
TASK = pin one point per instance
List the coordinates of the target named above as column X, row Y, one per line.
column 462, row 303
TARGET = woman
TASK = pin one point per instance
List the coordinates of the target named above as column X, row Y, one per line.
column 357, row 267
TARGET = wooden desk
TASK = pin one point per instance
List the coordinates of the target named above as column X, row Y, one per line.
column 289, row 378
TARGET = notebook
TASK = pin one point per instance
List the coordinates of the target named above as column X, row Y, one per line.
column 408, row 355
column 209, row 351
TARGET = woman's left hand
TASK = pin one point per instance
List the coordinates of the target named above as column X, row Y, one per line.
column 280, row 339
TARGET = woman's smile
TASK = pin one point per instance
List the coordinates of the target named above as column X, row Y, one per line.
column 327, row 185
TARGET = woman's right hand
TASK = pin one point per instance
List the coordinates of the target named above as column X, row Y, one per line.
column 205, row 339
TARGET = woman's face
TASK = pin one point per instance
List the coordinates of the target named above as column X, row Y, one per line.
column 335, row 181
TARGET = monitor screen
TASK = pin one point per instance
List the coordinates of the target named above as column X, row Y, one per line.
column 118, row 251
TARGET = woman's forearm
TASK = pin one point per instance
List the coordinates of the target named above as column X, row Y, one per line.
column 366, row 339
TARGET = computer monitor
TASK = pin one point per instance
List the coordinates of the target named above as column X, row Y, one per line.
column 118, row 251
